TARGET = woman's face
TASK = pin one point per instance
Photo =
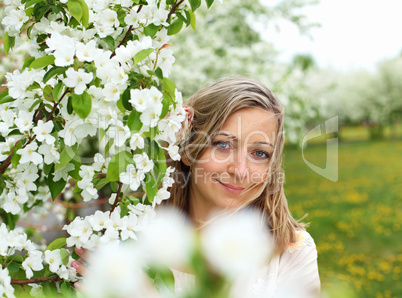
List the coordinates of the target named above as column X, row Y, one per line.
column 232, row 169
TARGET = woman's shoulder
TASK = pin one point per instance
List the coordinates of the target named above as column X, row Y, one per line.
column 304, row 241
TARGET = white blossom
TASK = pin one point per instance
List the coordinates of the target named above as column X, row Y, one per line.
column 53, row 258
column 87, row 52
column 43, row 130
column 29, row 154
column 77, row 79
column 32, row 263
column 50, row 153
column 119, row 132
column 24, row 121
column 143, row 162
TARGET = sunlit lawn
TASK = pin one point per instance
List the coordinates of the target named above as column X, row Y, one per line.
column 356, row 221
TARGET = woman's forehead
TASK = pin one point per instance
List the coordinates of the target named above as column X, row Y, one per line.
column 251, row 123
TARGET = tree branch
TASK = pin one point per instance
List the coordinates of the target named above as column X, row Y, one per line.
column 123, row 41
column 34, row 280
column 56, row 104
column 117, row 198
column 173, row 9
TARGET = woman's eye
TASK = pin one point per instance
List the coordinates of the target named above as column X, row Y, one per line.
column 222, row 145
column 261, row 154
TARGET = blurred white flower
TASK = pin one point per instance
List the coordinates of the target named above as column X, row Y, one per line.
column 115, row 272
column 168, row 239
column 236, row 243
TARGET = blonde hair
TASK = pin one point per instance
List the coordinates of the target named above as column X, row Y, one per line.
column 212, row 106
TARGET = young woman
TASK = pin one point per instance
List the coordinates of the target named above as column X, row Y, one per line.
column 231, row 160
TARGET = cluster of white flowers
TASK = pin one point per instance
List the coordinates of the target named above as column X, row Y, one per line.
column 226, row 242
column 97, row 68
column 15, row 241
column 108, row 228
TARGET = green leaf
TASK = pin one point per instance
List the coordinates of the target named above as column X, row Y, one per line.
column 3, row 94
column 181, row 17
column 151, row 187
column 69, row 105
column 193, row 19
column 13, row 267
column 47, row 93
column 15, row 158
column 209, row 3
column 57, row 243
column 195, row 4
column 47, row 169
column 8, row 43
column 123, row 209
column 52, row 72
column 66, row 156
column 57, row 91
column 31, row 2
column 151, row 30
column 40, row 9
column 169, row 86
column 6, row 99
column 66, row 289
column 15, row 258
column 141, row 55
column 9, row 219
column 65, row 255
column 101, row 183
column 118, row 164
column 175, row 27
column 29, row 12
column 162, row 160
column 28, row 62
column 74, row 7
column 120, row 105
column 55, row 187
column 82, row 104
column 110, row 42
column 38, row 101
column 159, row 73
column 125, row 97
column 108, row 145
column 134, row 122
column 85, row 13
column 42, row 62
column 77, row 165
column 165, row 107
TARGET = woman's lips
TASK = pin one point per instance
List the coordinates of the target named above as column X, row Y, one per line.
column 231, row 188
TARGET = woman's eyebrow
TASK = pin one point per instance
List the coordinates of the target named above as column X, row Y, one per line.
column 263, row 143
column 226, row 134
column 222, row 133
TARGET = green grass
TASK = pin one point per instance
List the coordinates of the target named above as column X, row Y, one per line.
column 356, row 221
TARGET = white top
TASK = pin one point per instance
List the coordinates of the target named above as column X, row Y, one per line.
column 292, row 274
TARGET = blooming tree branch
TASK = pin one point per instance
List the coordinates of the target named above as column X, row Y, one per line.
column 96, row 70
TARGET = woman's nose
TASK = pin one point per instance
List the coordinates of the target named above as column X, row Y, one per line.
column 238, row 166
